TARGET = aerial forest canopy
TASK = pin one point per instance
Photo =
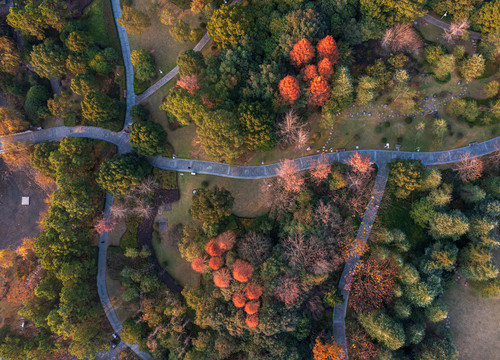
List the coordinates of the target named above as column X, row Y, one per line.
column 272, row 56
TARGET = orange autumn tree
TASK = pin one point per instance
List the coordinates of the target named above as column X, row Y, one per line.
column 290, row 176
column 325, row 68
column 360, row 164
column 216, row 262
column 189, row 83
column 328, row 350
column 239, row 299
column 242, row 271
column 252, row 320
column 327, row 48
column 302, row 53
column 253, row 291
column 289, row 89
column 222, row 278
column 252, row 307
column 309, row 72
column 321, row 168
column 199, row 264
column 226, row 240
column 320, row 91
column 213, row 248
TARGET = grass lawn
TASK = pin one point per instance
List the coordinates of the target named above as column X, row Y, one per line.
column 435, row 34
column 98, row 17
column 157, row 39
column 115, row 235
column 123, row 309
column 350, row 132
column 474, row 322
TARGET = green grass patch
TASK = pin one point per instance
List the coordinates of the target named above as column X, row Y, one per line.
column 474, row 321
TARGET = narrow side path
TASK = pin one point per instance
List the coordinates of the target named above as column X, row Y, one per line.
column 445, row 26
column 358, row 245
column 172, row 73
column 127, row 62
column 101, row 284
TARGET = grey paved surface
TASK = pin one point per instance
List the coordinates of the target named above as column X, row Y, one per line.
column 381, row 157
column 359, row 243
column 129, row 69
column 445, row 26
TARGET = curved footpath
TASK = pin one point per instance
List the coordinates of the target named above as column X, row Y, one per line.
column 380, row 157
column 357, row 248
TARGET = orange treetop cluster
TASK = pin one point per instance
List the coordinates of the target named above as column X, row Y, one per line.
column 241, row 271
column 315, row 77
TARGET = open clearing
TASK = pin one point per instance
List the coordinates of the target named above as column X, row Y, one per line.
column 474, row 322
column 18, row 221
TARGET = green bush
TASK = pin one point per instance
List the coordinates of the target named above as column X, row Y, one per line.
column 129, row 237
column 333, row 298
column 166, row 178
column 487, row 288
column 36, row 103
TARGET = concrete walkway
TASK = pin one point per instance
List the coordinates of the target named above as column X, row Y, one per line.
column 445, row 26
column 129, row 68
column 380, row 157
column 357, row 248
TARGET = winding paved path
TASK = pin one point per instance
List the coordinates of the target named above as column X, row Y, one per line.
column 380, row 157
column 358, row 245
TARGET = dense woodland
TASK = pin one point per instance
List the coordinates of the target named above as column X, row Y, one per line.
column 433, row 225
column 267, row 284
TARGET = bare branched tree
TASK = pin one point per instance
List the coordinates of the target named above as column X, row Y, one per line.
column 147, row 186
column 307, row 253
column 291, row 131
column 119, row 210
column 143, row 209
column 456, row 30
column 469, row 168
column 401, row 38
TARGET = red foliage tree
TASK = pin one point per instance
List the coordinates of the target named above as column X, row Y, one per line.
column 359, row 344
column 321, row 168
column 239, row 299
column 327, row 48
column 216, row 262
column 199, row 264
column 325, row 68
column 252, row 307
column 252, row 320
column 289, row 89
column 320, row 91
column 302, row 53
column 213, row 248
column 242, row 271
column 253, row 291
column 104, row 225
column 189, row 83
column 222, row 278
column 288, row 290
column 373, row 284
column 309, row 72
column 469, row 168
column 290, row 176
column 360, row 164
column 226, row 240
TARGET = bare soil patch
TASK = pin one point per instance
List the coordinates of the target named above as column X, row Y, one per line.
column 18, row 221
